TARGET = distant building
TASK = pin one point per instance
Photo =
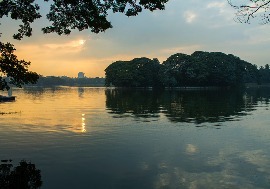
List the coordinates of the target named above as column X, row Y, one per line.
column 81, row 75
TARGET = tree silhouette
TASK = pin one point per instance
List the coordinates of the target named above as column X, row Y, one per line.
column 252, row 9
column 23, row 176
column 139, row 72
column 199, row 69
column 16, row 70
column 66, row 15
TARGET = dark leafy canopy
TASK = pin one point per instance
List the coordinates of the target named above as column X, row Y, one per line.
column 209, row 69
column 139, row 72
column 16, row 70
column 264, row 74
column 181, row 70
column 23, row 176
column 66, row 15
column 252, row 9
column 24, row 10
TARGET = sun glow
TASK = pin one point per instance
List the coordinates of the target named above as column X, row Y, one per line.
column 81, row 42
column 69, row 44
column 83, row 124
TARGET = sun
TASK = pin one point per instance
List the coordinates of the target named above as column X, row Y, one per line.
column 81, row 42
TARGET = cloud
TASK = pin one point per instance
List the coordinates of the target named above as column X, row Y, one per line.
column 190, row 16
column 223, row 8
column 182, row 49
column 71, row 44
column 216, row 4
column 258, row 35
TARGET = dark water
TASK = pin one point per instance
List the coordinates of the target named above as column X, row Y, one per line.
column 107, row 138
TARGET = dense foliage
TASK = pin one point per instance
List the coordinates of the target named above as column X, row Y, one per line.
column 264, row 74
column 67, row 15
column 15, row 71
column 209, row 69
column 251, row 9
column 139, row 72
column 23, row 176
column 181, row 70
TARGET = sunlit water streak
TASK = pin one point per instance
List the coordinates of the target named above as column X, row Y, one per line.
column 109, row 138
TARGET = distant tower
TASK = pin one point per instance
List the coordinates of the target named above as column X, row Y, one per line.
column 80, row 75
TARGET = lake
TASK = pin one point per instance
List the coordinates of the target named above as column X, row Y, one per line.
column 98, row 138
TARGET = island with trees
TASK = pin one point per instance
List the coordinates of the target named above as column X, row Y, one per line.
column 200, row 69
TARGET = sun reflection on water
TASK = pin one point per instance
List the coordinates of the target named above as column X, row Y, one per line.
column 83, row 124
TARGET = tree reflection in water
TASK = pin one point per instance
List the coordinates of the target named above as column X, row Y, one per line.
column 23, row 176
column 196, row 106
column 141, row 103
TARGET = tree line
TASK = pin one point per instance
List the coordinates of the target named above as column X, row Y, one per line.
column 264, row 73
column 199, row 69
column 50, row 81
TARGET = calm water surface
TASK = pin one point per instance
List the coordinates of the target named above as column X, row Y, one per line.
column 107, row 138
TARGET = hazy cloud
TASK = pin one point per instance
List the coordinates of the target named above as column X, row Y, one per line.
column 190, row 16
column 189, row 49
column 71, row 44
column 216, row 4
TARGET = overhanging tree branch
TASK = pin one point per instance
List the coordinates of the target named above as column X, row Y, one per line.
column 67, row 15
column 16, row 70
column 251, row 10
